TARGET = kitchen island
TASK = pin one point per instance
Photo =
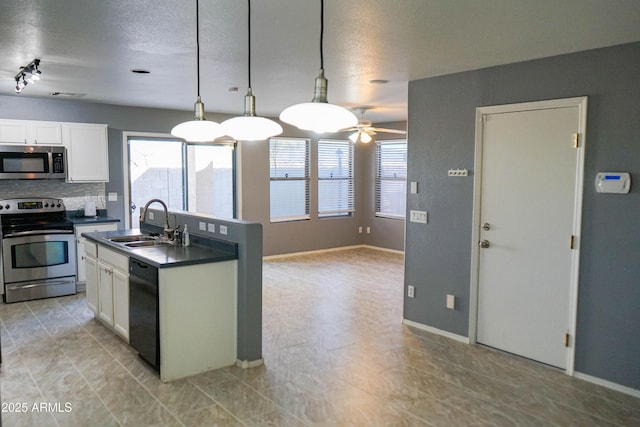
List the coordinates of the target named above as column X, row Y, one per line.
column 182, row 322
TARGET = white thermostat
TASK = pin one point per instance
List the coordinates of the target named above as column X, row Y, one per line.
column 613, row 182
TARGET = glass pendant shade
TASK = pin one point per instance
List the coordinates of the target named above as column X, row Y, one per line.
column 199, row 129
column 250, row 127
column 318, row 115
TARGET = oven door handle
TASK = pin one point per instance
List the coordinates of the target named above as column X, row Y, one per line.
column 37, row 232
column 31, row 285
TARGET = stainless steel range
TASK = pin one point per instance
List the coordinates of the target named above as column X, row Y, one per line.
column 38, row 249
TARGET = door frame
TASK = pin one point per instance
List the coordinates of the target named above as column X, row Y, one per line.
column 581, row 103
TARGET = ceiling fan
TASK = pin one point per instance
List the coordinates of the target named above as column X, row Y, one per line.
column 364, row 130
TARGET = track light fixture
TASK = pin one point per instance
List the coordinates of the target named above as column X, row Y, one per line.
column 27, row 74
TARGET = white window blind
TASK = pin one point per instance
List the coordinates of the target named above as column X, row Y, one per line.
column 289, row 179
column 335, row 178
column 391, row 178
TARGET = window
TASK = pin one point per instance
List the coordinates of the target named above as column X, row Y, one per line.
column 188, row 177
column 391, row 178
column 288, row 179
column 335, row 178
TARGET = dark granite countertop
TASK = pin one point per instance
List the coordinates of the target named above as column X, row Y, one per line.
column 78, row 218
column 201, row 251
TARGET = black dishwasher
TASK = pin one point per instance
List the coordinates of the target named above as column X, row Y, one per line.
column 144, row 321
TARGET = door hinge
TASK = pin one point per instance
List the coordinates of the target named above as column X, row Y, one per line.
column 571, row 240
column 576, row 140
column 566, row 340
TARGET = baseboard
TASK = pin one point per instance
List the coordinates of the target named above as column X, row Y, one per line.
column 321, row 251
column 246, row 364
column 608, row 384
column 378, row 248
column 436, row 331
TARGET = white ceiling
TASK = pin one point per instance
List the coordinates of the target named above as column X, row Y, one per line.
column 89, row 46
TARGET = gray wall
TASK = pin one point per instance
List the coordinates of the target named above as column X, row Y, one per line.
column 385, row 232
column 278, row 238
column 441, row 136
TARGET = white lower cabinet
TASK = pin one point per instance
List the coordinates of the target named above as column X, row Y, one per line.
column 81, row 261
column 107, row 287
column 91, row 268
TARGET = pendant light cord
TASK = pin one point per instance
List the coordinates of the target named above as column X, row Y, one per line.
column 198, row 44
column 321, row 34
column 249, row 42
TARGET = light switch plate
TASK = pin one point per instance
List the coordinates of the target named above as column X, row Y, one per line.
column 418, row 216
column 223, row 230
column 112, row 197
column 414, row 187
column 202, row 226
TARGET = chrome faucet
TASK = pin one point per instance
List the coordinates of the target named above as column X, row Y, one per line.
column 168, row 231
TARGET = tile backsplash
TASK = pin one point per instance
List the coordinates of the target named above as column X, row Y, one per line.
column 73, row 195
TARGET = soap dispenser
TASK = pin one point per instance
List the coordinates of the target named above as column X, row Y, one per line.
column 185, row 236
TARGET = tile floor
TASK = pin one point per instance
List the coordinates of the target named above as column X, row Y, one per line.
column 335, row 354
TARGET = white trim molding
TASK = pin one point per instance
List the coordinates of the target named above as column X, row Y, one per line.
column 436, row 331
column 321, row 251
column 247, row 364
column 608, row 384
column 581, row 103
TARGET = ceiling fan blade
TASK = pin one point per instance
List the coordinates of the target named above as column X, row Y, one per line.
column 397, row 131
column 352, row 129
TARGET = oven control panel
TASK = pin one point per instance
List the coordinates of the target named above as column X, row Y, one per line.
column 42, row 205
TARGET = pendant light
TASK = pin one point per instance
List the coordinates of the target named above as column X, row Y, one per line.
column 199, row 129
column 318, row 115
column 250, row 127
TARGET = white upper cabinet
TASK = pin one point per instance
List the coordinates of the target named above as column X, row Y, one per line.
column 30, row 132
column 87, row 152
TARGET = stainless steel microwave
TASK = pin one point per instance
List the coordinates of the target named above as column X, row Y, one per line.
column 32, row 162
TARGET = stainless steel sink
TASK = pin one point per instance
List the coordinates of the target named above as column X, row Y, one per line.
column 132, row 238
column 146, row 243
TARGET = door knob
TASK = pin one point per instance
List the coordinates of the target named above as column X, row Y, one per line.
column 484, row 244
column 486, row 226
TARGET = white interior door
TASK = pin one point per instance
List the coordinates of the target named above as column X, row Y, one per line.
column 528, row 212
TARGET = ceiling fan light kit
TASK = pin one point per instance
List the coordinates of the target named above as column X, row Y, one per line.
column 249, row 126
column 364, row 130
column 199, row 129
column 319, row 115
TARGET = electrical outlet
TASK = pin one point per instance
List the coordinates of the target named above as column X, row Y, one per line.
column 211, row 228
column 451, row 302
column 368, row 230
column 360, row 230
column 152, row 216
column 112, row 197
column 202, row 226
column 223, row 230
column 411, row 291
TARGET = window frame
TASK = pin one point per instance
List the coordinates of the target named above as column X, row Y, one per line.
column 379, row 179
column 129, row 137
column 306, row 178
column 350, row 179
